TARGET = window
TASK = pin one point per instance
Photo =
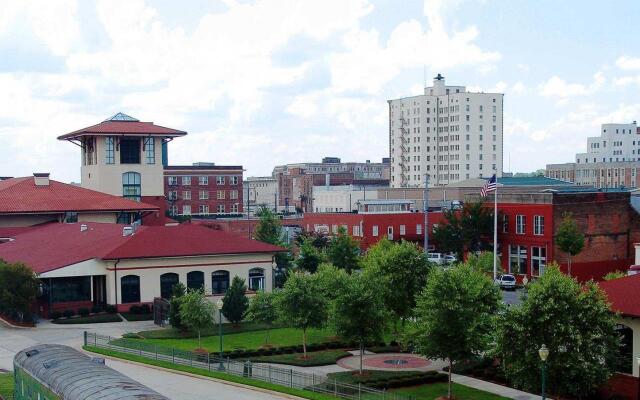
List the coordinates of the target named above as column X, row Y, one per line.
column 220, row 208
column 403, row 230
column 356, row 230
column 219, row 180
column 220, row 195
column 505, row 223
column 204, row 195
column 219, row 282
column 418, row 229
column 234, row 180
column 173, row 195
column 203, row 180
column 233, row 194
column 173, row 210
column 195, row 280
column 110, row 157
column 375, row 230
column 172, row 180
column 130, row 289
column 538, row 260
column 256, row 279
column 167, row 282
column 625, row 349
column 186, row 209
column 234, row 208
column 203, row 209
column 521, row 222
column 131, row 188
column 518, row 260
column 70, row 217
column 186, row 180
column 77, row 288
column 538, row 225
column 186, row 195
column 150, row 150
column 129, row 151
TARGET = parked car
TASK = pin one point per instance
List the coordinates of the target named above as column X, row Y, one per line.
column 450, row 258
column 506, row 281
column 437, row 258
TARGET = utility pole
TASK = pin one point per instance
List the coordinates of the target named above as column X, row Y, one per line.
column 425, row 206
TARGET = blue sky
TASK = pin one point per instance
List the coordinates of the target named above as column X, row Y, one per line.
column 270, row 82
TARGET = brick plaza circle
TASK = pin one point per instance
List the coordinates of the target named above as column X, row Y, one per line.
column 390, row 362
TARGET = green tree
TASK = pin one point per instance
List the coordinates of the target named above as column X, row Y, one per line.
column 319, row 240
column 455, row 315
column 309, row 258
column 575, row 324
column 401, row 270
column 196, row 312
column 468, row 229
column 569, row 238
column 483, row 262
column 262, row 310
column 614, row 275
column 358, row 312
column 301, row 305
column 269, row 230
column 177, row 292
column 331, row 280
column 18, row 290
column 343, row 251
column 235, row 301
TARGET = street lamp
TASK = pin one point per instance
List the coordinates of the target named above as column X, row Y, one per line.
column 219, row 305
column 543, row 352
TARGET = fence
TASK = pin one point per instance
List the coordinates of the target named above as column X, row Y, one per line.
column 263, row 372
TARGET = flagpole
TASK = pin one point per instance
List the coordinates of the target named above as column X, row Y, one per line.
column 495, row 231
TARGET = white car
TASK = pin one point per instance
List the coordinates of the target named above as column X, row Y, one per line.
column 450, row 259
column 437, row 258
column 506, row 281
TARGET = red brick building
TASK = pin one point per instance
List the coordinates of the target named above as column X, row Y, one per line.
column 203, row 189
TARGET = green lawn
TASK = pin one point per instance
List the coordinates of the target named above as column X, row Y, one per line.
column 246, row 340
column 435, row 390
column 316, row 358
column 6, row 386
column 171, row 333
column 213, row 374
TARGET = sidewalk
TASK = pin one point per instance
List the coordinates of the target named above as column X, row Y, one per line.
column 493, row 388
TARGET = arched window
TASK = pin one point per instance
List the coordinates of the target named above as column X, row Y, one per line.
column 130, row 289
column 195, row 280
column 219, row 282
column 625, row 351
column 256, row 279
column 167, row 282
column 131, row 188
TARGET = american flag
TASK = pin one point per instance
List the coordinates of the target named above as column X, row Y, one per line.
column 489, row 186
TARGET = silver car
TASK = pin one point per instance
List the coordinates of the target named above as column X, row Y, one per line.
column 506, row 281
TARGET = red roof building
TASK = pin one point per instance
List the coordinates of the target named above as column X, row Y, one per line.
column 85, row 264
column 37, row 199
column 122, row 124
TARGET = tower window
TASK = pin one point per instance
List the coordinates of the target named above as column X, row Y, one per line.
column 130, row 151
column 131, row 188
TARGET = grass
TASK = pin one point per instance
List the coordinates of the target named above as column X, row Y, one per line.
column 92, row 319
column 246, row 340
column 137, row 317
column 316, row 358
column 354, row 379
column 171, row 333
column 6, row 386
column 213, row 374
column 435, row 390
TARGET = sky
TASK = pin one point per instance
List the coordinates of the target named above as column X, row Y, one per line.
column 263, row 83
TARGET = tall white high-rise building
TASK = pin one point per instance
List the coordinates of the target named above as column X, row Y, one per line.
column 448, row 133
column 616, row 143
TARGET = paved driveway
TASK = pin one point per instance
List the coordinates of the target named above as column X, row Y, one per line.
column 174, row 386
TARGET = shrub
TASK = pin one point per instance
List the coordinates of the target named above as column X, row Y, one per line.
column 84, row 312
column 145, row 309
column 111, row 309
column 134, row 309
column 97, row 308
column 68, row 313
column 55, row 314
column 131, row 335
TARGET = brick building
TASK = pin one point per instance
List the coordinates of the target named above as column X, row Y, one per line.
column 203, row 189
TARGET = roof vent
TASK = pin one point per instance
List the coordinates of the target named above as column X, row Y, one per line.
column 127, row 231
column 83, row 228
column 41, row 178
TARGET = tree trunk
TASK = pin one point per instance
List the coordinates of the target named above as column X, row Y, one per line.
column 266, row 340
column 304, row 343
column 569, row 266
column 361, row 355
column 199, row 343
column 449, row 388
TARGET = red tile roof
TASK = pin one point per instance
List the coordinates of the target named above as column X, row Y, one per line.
column 624, row 294
column 55, row 245
column 21, row 195
column 123, row 128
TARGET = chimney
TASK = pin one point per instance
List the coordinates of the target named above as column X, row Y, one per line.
column 127, row 231
column 83, row 228
column 41, row 178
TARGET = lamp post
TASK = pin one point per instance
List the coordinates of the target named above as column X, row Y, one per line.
column 543, row 352
column 219, row 305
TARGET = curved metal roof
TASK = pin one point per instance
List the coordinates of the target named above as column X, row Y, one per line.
column 74, row 376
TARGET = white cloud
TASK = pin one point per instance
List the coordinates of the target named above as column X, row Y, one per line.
column 562, row 90
column 628, row 63
column 518, row 88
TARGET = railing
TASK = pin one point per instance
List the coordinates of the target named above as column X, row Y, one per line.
column 262, row 372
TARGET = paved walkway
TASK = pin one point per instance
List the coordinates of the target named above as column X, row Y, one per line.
column 493, row 388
